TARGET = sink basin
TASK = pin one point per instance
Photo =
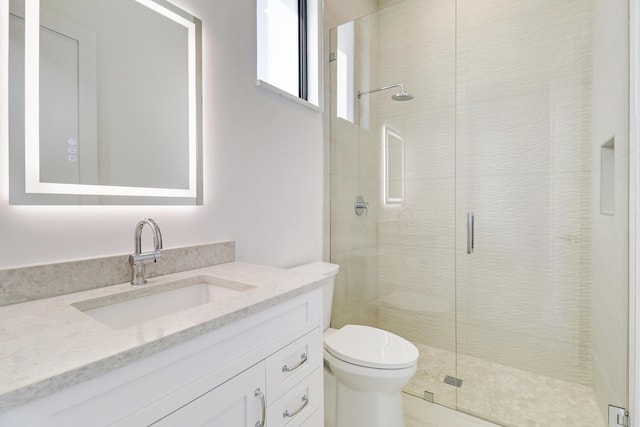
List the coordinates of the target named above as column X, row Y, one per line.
column 152, row 302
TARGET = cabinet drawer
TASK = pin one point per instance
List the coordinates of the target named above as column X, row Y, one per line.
column 291, row 364
column 315, row 420
column 297, row 404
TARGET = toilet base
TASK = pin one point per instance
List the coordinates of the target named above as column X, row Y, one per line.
column 330, row 387
column 372, row 409
column 346, row 407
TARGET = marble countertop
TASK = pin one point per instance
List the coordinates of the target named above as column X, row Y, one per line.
column 47, row 345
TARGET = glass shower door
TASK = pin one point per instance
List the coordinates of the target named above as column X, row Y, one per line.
column 532, row 301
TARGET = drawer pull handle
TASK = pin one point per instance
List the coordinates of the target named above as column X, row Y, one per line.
column 263, row 415
column 303, row 360
column 305, row 402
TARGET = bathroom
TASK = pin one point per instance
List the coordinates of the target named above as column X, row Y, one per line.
column 267, row 185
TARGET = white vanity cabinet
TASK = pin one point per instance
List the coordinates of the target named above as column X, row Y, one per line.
column 284, row 389
column 263, row 369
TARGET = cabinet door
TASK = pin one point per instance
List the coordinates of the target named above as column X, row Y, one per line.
column 232, row 404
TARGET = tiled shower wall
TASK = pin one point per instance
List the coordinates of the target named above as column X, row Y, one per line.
column 501, row 126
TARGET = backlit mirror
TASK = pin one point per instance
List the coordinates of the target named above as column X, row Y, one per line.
column 393, row 167
column 105, row 102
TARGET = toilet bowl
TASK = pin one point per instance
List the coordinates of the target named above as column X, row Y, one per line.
column 365, row 367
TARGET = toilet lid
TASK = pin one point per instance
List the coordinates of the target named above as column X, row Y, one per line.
column 371, row 347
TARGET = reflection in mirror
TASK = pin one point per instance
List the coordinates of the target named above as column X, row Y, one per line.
column 393, row 167
column 104, row 103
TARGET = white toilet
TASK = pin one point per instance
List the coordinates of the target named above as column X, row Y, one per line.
column 365, row 367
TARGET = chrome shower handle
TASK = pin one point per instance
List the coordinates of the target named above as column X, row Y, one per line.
column 360, row 206
column 470, row 231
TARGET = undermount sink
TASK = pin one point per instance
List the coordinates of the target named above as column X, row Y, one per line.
column 152, row 302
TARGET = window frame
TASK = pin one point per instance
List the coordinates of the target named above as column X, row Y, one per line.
column 309, row 70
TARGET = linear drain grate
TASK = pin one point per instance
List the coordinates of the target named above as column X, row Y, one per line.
column 456, row 382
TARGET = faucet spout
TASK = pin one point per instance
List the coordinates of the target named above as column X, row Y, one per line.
column 139, row 260
column 157, row 235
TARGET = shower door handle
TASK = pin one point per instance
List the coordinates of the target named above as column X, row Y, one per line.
column 470, row 231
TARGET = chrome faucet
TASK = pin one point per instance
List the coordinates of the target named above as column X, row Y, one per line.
column 139, row 259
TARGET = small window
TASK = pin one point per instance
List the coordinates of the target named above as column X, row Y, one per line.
column 288, row 46
column 345, row 72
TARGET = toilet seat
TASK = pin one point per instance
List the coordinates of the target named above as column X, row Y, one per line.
column 371, row 347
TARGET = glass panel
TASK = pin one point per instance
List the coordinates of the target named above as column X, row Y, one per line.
column 278, row 43
column 345, row 92
column 397, row 264
column 536, row 328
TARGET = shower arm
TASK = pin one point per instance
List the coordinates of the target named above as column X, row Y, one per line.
column 381, row 89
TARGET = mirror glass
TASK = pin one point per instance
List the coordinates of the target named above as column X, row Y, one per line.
column 104, row 102
column 394, row 167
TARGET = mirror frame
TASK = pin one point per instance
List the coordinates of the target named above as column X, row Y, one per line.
column 32, row 117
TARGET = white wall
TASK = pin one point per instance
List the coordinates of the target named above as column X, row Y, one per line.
column 263, row 174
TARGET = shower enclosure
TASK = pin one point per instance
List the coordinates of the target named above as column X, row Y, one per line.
column 492, row 220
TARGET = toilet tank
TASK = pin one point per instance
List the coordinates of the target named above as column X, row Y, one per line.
column 328, row 270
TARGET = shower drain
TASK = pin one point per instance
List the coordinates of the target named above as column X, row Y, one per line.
column 456, row 382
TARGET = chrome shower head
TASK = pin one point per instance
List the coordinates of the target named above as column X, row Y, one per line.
column 400, row 96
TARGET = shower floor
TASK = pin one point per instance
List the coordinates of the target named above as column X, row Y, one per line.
column 502, row 394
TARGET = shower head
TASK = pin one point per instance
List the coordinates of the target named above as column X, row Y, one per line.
column 400, row 96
